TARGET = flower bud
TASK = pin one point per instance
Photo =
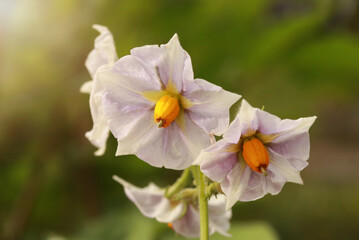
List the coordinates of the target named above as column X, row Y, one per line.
column 166, row 110
column 255, row 155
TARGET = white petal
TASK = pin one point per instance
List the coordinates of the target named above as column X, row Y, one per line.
column 294, row 140
column 151, row 201
column 255, row 188
column 216, row 161
column 281, row 167
column 171, row 60
column 133, row 75
column 104, row 51
column 98, row 135
column 211, row 105
column 86, row 87
column 251, row 119
column 130, row 118
column 175, row 62
column 101, row 57
column 234, row 131
column 244, row 121
column 189, row 224
column 175, row 147
column 235, row 183
column 100, row 131
column 152, row 54
column 244, row 184
column 137, row 135
column 218, row 215
column 167, row 149
column 123, row 117
column 130, row 115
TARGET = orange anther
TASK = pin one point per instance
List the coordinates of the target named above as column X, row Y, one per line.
column 166, row 110
column 256, row 155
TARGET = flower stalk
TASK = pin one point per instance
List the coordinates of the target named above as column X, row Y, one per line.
column 202, row 201
column 181, row 183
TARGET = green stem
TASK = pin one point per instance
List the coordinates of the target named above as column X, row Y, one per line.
column 181, row 183
column 203, row 204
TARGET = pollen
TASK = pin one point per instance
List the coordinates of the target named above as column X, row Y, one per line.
column 256, row 155
column 166, row 111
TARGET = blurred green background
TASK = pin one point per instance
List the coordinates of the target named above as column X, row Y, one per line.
column 297, row 58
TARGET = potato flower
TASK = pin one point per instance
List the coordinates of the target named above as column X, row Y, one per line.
column 101, row 57
column 158, row 111
column 258, row 154
column 181, row 216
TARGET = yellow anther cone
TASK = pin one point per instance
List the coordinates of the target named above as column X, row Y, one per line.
column 166, row 110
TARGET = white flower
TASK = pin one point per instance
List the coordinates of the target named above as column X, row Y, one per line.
column 258, row 153
column 100, row 58
column 158, row 111
column 183, row 217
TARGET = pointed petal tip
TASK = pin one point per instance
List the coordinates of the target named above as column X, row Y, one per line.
column 245, row 103
column 86, row 87
column 99, row 152
column 121, row 181
column 100, row 28
column 174, row 39
column 97, row 26
column 116, row 178
column 228, row 206
column 312, row 118
column 229, row 203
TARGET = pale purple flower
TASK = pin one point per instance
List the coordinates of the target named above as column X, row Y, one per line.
column 187, row 109
column 101, row 57
column 183, row 216
column 285, row 142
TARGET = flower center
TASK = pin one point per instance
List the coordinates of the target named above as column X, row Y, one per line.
column 255, row 155
column 166, row 110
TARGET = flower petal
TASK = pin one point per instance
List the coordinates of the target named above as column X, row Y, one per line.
column 132, row 74
column 294, row 140
column 99, row 133
column 210, row 105
column 282, row 169
column 151, row 201
column 188, row 225
column 136, row 136
column 137, row 133
column 216, row 161
column 176, row 146
column 86, row 87
column 104, row 51
column 171, row 60
column 243, row 184
column 251, row 119
column 218, row 216
column 127, row 111
column 235, row 183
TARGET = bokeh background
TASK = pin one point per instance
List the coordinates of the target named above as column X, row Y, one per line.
column 297, row 58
